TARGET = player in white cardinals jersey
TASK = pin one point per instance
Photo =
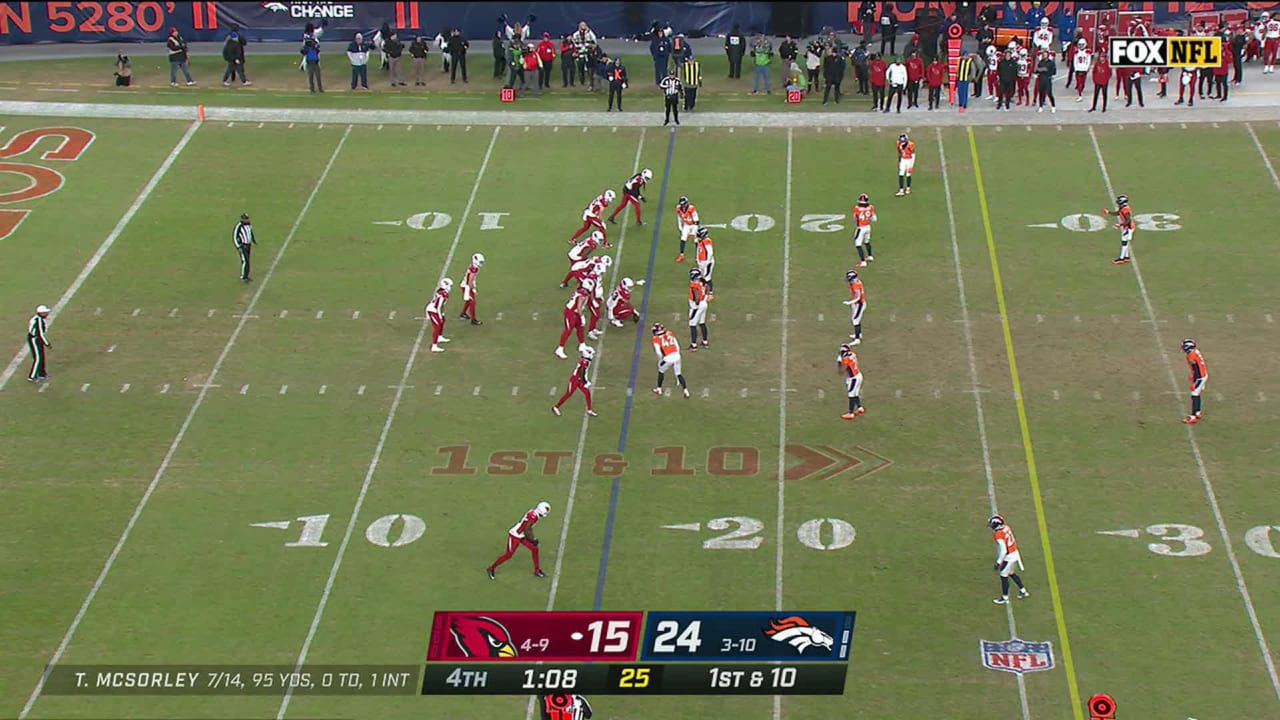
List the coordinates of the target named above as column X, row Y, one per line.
column 597, row 277
column 1270, row 27
column 580, row 255
column 435, row 314
column 573, row 315
column 522, row 534
column 593, row 215
column 1008, row 559
column 619, row 306
column 1042, row 38
column 469, row 289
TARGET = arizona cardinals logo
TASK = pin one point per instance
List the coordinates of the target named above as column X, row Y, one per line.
column 798, row 633
column 482, row 637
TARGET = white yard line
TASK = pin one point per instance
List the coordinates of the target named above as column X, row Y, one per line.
column 1209, row 492
column 582, row 432
column 382, row 437
column 182, row 432
column 780, row 538
column 967, row 327
column 1263, row 154
column 101, row 252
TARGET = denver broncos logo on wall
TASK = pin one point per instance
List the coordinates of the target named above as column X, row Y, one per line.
column 482, row 637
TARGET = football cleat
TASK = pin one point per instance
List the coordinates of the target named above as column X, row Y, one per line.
column 1023, row 593
column 1191, row 419
column 680, row 258
column 647, row 174
column 658, row 329
column 539, row 573
column 863, row 199
column 542, row 509
column 592, row 413
column 436, row 348
column 1188, row 345
column 1001, row 601
column 686, row 393
column 555, row 411
column 693, row 347
column 657, row 391
column 616, row 323
column 851, row 276
column 703, row 232
column 489, row 572
column 860, row 410
column 871, row 258
column 477, row 260
column 695, row 274
column 847, row 416
column 900, row 193
column 862, row 263
column 995, row 522
column 560, row 353
column 610, row 218
column 443, row 339
column 593, row 334
column 1120, row 261
column 855, row 340
column 706, row 344
column 476, row 322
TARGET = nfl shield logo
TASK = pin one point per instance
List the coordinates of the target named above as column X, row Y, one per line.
column 1016, row 656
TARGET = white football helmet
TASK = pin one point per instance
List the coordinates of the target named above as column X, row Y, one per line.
column 609, row 196
column 1044, row 22
column 606, row 261
column 628, row 283
column 588, row 284
column 647, row 174
column 597, row 236
column 446, row 285
column 477, row 260
column 542, row 509
column 586, row 351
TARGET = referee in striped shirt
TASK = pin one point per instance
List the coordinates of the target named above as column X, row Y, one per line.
column 37, row 342
column 671, row 89
column 242, row 236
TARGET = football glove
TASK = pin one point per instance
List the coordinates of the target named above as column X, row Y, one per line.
column 642, row 199
column 535, row 542
column 995, row 567
column 848, row 302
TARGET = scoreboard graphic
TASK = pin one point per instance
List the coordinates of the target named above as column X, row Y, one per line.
column 670, row 653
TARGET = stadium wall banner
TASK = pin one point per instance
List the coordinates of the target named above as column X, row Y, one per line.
column 273, row 20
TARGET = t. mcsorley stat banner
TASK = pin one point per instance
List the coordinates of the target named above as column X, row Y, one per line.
column 623, row 636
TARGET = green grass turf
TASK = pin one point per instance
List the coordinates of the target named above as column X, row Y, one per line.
column 1167, row 636
column 278, row 83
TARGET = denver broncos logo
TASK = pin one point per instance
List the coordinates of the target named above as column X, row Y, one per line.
column 798, row 633
column 482, row 637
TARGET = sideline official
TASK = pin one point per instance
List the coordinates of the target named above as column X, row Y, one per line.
column 671, row 89
column 242, row 237
column 38, row 342
column 691, row 78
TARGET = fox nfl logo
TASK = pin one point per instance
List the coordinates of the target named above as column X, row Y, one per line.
column 1173, row 52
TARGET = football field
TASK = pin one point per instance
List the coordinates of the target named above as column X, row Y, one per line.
column 281, row 473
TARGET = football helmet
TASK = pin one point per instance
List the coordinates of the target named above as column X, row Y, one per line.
column 446, row 284
column 628, row 283
column 902, row 139
column 695, row 274
column 606, row 261
column 1122, row 200
column 586, row 351
column 1081, row 43
column 658, row 329
column 1044, row 22
column 863, row 199
column 542, row 509
column 845, row 350
column 588, row 284
column 478, row 259
column 609, row 196
column 597, row 236
column 683, row 202
column 703, row 232
column 995, row 522
column 647, row 174
column 851, row 276
column 1188, row 345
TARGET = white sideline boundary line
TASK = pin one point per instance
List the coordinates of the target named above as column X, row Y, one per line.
column 1203, row 471
column 582, row 433
column 1263, row 154
column 182, row 433
column 382, row 436
column 780, row 537
column 106, row 245
column 967, row 327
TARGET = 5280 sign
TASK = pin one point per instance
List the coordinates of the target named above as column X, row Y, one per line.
column 40, row 181
column 83, row 17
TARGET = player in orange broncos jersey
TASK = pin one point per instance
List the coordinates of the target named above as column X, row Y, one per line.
column 687, row 222
column 1008, row 559
column 578, row 380
column 1199, row 376
column 1124, row 223
column 698, row 297
column 667, row 348
column 847, row 361
column 864, row 213
column 906, row 163
column 858, row 302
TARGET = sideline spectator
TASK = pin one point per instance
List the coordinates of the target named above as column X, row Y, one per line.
column 1132, row 85
column 311, row 58
column 735, row 46
column 458, row 56
column 568, row 62
column 1220, row 73
column 418, row 50
column 915, row 73
column 124, row 70
column 888, row 28
column 499, row 54
column 616, row 73
column 441, row 42
column 1101, row 79
column 935, row 75
column 546, row 51
column 392, row 50
column 867, row 15
column 532, row 65
column 233, row 54
column 788, row 52
column 660, row 51
column 860, row 69
column 796, row 79
column 761, row 56
column 1066, row 27
column 833, row 66
column 358, row 55
column 1046, row 68
column 877, row 69
column 583, row 40
column 813, row 63
column 966, row 74
column 595, row 63
column 897, row 78
column 177, row 58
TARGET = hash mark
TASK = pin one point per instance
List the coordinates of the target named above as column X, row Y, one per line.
column 231, row 124
column 1215, row 125
column 515, row 390
column 897, row 394
column 928, row 317
column 1268, row 317
column 555, row 129
column 320, row 127
column 1057, row 395
column 704, row 129
column 706, row 392
column 379, row 127
column 1137, row 396
column 360, row 390
column 125, row 388
column 553, row 391
column 136, row 311
column 1039, row 318
column 319, row 314
column 1119, row 127
column 475, row 391
column 211, row 312
column 291, row 126
column 1028, row 128
column 97, row 312
column 1191, row 319
column 535, row 316
column 111, row 349
column 750, row 317
column 84, row 387
column 731, row 130
column 1097, row 395
column 284, row 314
column 1151, row 125
column 244, row 389
column 498, row 316
column 893, row 317
column 164, row 388
column 1261, row 397
column 173, row 312
column 1115, row 319
column 615, row 128
column 1231, row 318
column 44, row 386
column 820, row 317
column 322, row 389
column 1218, row 396
column 284, row 389
column 261, row 124
column 821, row 394
column 742, row 392
column 391, row 315
column 936, row 393
column 355, row 315
column 1184, row 125
column 439, row 389
column 675, row 317
column 712, row 317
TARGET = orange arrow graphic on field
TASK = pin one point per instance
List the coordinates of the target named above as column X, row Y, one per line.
column 817, row 463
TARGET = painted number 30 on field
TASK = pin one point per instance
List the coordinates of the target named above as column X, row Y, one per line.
column 1178, row 540
column 1088, row 222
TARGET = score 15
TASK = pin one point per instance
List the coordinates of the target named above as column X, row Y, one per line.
column 610, row 636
